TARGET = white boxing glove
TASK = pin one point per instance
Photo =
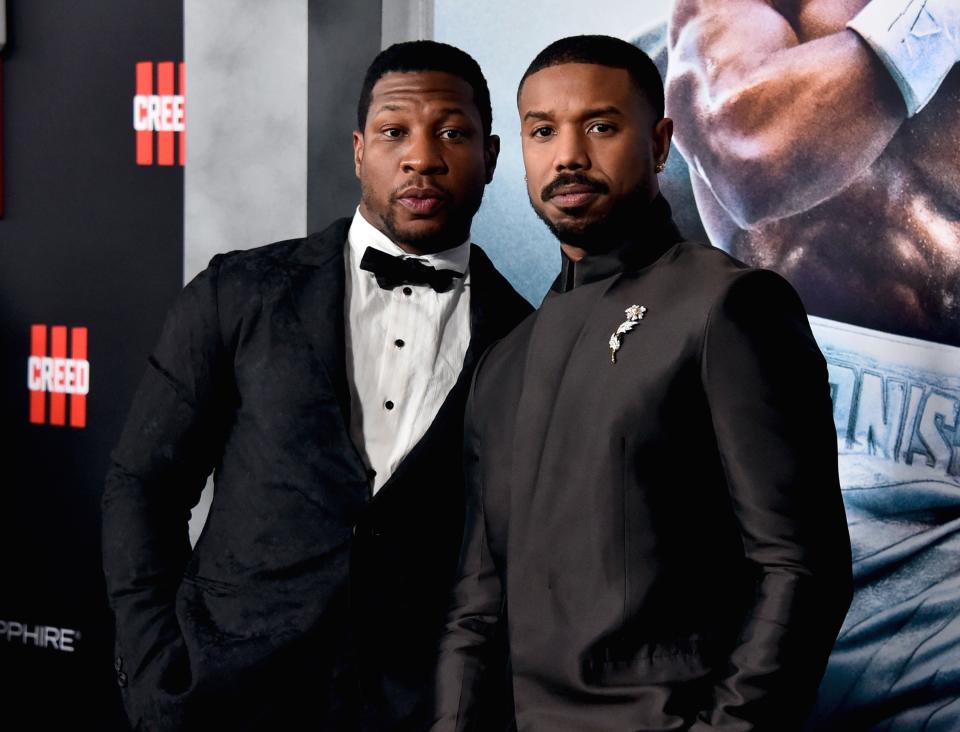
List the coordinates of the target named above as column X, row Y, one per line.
column 917, row 40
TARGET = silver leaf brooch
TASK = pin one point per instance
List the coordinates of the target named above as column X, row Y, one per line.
column 635, row 314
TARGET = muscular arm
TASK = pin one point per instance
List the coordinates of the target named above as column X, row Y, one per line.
column 165, row 453
column 766, row 383
column 774, row 125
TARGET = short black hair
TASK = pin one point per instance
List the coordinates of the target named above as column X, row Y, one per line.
column 603, row 51
column 413, row 56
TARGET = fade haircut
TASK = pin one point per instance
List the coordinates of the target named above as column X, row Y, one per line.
column 413, row 56
column 604, row 51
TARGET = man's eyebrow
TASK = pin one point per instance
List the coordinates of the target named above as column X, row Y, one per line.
column 595, row 112
column 534, row 114
column 602, row 111
column 390, row 107
column 396, row 107
column 452, row 112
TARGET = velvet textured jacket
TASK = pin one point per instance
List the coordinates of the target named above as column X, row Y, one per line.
column 663, row 537
column 306, row 601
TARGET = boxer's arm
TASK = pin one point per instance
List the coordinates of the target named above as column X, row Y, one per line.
column 772, row 125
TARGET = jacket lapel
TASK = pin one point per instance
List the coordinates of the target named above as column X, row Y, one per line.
column 316, row 282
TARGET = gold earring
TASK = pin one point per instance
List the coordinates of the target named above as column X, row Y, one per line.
column 660, row 166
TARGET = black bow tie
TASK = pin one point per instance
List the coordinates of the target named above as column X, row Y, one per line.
column 392, row 271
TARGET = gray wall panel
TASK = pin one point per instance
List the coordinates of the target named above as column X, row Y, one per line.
column 406, row 20
column 246, row 172
column 344, row 38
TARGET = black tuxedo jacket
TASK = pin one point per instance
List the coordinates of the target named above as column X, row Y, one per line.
column 304, row 598
column 663, row 537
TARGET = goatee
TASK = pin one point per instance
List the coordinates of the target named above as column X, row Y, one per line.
column 597, row 235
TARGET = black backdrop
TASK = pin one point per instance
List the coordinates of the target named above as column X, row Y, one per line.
column 89, row 239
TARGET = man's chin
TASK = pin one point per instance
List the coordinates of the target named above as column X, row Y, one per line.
column 569, row 228
column 428, row 235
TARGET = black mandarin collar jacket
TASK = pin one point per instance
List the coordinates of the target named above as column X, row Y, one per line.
column 661, row 539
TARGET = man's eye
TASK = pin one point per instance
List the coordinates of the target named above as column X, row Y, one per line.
column 600, row 127
column 393, row 132
column 452, row 134
column 542, row 132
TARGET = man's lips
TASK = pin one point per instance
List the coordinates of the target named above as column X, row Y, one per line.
column 421, row 201
column 573, row 196
column 572, row 190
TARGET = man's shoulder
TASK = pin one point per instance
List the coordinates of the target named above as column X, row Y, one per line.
column 705, row 261
column 257, row 262
column 713, row 282
column 704, row 273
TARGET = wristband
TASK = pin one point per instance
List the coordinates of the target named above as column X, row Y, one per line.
column 917, row 40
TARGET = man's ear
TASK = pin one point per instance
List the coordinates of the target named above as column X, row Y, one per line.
column 357, row 151
column 662, row 134
column 491, row 151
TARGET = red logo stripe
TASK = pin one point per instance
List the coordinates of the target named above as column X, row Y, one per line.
column 165, row 89
column 78, row 402
column 144, row 137
column 38, row 399
column 183, row 135
column 58, row 400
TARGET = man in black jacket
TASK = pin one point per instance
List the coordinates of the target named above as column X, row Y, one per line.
column 322, row 380
column 654, row 511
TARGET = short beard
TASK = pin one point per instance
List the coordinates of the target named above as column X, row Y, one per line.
column 453, row 234
column 596, row 237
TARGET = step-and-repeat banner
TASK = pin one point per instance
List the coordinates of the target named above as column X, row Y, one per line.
column 792, row 152
column 91, row 255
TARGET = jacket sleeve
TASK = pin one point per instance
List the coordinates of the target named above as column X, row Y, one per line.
column 470, row 647
column 167, row 449
column 769, row 398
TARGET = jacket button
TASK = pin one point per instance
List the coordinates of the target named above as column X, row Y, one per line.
column 121, row 679
column 118, row 664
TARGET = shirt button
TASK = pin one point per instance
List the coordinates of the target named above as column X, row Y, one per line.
column 407, row 291
column 388, row 404
column 399, row 343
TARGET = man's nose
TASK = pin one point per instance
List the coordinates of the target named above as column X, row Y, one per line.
column 571, row 151
column 424, row 155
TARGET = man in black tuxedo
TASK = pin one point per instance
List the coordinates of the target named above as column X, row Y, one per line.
column 654, row 511
column 322, row 380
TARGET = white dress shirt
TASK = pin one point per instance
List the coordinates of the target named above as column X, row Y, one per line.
column 404, row 349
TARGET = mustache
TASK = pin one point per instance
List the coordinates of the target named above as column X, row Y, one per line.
column 568, row 179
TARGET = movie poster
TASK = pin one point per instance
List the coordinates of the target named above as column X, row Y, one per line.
column 793, row 151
